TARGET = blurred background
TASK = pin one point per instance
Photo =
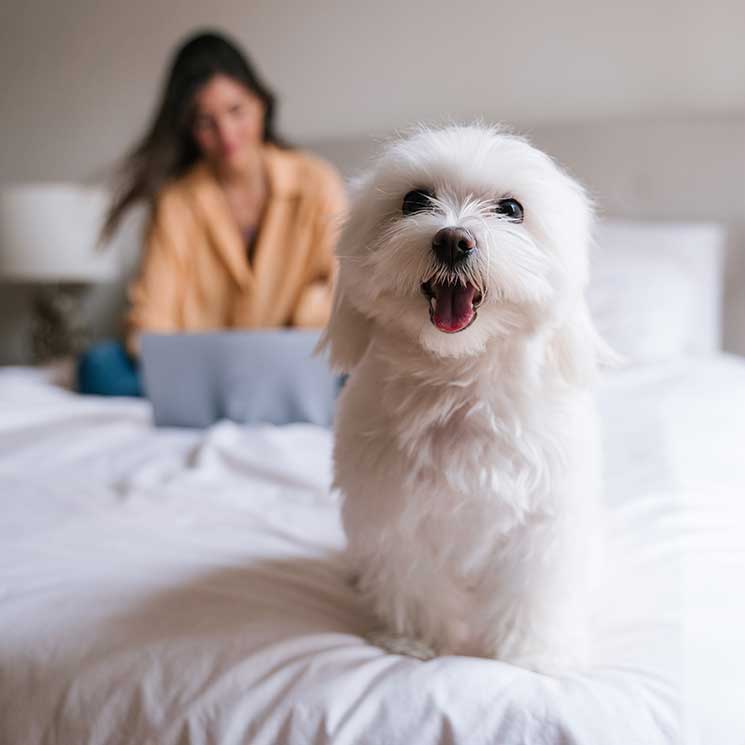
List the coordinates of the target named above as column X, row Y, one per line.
column 643, row 102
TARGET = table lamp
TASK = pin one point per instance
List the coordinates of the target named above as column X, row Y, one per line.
column 49, row 237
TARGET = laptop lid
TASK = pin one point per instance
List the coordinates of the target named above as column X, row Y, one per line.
column 263, row 376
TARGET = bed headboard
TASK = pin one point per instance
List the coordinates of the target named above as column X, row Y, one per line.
column 674, row 168
column 679, row 169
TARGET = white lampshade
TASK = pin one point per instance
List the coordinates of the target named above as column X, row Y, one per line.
column 49, row 233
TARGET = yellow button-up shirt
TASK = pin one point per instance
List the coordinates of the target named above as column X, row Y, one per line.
column 196, row 275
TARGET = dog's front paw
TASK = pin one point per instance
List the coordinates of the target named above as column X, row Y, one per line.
column 397, row 644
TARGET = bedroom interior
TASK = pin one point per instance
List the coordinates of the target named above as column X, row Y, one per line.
column 184, row 586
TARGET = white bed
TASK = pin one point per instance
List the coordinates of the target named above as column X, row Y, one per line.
column 166, row 586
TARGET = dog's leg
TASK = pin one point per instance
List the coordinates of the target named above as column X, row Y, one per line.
column 541, row 623
column 396, row 644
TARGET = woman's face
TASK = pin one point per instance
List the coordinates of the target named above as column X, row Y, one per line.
column 228, row 122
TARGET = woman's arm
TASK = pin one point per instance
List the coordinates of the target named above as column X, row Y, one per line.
column 155, row 296
column 314, row 305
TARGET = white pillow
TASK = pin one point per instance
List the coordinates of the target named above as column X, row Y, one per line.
column 656, row 288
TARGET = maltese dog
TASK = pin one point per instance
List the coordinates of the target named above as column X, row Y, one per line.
column 466, row 446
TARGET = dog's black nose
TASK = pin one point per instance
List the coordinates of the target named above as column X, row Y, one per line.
column 452, row 245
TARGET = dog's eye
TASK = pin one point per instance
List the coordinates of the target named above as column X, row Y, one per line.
column 417, row 200
column 511, row 209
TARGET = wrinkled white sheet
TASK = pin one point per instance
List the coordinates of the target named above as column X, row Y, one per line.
column 187, row 587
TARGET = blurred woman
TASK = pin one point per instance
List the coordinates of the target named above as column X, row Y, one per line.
column 242, row 227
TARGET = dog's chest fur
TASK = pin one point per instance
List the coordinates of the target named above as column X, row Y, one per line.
column 481, row 441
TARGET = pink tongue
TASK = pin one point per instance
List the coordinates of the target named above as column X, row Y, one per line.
column 453, row 307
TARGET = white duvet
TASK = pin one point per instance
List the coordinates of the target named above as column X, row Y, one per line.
column 187, row 587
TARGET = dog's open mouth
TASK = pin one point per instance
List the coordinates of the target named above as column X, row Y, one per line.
column 452, row 307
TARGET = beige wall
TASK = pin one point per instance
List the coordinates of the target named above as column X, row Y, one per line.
column 78, row 78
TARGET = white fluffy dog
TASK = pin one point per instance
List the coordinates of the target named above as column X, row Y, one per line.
column 466, row 446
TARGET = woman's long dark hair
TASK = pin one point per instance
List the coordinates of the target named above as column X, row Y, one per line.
column 168, row 149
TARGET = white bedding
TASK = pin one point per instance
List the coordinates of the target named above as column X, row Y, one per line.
column 187, row 587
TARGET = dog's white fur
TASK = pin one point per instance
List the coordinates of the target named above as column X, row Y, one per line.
column 469, row 462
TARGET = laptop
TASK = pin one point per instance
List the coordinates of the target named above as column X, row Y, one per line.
column 250, row 377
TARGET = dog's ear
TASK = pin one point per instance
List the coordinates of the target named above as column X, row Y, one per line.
column 347, row 334
column 577, row 349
